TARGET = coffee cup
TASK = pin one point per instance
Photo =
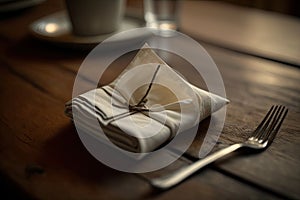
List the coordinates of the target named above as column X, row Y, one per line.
column 95, row 17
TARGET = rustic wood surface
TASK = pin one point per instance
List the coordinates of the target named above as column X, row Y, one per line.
column 41, row 154
column 261, row 33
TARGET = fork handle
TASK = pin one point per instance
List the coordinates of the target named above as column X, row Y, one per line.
column 179, row 175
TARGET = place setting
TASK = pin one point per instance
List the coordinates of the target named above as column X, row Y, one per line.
column 155, row 117
column 138, row 117
column 147, row 99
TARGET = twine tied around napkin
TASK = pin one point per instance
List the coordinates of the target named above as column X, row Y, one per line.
column 147, row 105
column 132, row 109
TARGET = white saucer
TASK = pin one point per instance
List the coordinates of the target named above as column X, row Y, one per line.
column 57, row 28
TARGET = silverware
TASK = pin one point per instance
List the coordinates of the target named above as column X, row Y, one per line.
column 260, row 139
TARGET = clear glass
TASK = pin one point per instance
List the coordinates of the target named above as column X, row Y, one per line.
column 161, row 14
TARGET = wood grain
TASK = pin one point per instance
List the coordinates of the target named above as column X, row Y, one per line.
column 259, row 84
column 252, row 31
column 41, row 152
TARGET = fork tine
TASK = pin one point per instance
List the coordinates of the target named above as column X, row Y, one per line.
column 276, row 126
column 271, row 124
column 268, row 123
column 257, row 132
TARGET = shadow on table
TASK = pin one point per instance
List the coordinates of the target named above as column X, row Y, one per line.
column 65, row 157
column 66, row 152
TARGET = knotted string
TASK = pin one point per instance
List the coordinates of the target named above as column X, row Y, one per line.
column 139, row 107
column 143, row 100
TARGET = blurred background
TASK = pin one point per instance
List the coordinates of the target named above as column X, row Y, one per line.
column 289, row 7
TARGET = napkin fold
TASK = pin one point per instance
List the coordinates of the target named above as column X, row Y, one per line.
column 144, row 107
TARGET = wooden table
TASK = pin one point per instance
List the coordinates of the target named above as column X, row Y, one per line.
column 41, row 155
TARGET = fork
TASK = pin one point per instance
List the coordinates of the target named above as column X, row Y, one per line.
column 259, row 139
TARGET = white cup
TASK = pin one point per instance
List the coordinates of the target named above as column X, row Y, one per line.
column 95, row 17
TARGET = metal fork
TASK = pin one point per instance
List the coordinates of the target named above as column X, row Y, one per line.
column 260, row 139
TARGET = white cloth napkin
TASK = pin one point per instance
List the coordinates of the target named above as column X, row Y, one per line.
column 147, row 105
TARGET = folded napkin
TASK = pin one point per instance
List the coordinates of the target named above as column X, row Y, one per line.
column 144, row 107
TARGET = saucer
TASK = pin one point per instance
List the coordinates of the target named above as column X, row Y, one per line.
column 56, row 28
